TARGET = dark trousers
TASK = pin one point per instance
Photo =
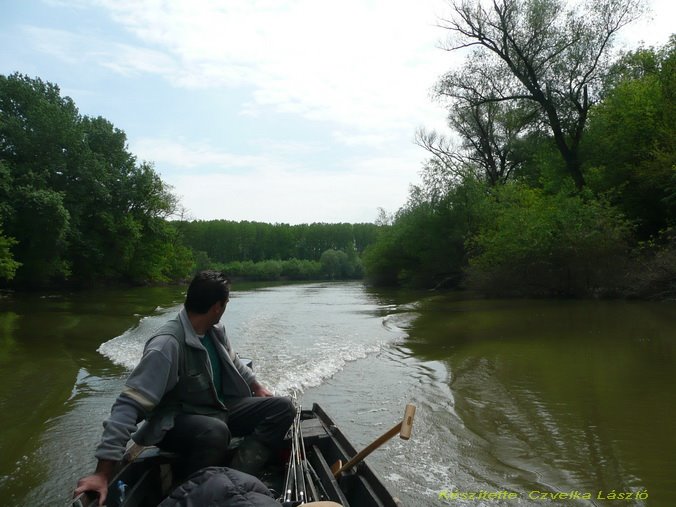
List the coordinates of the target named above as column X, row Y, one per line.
column 266, row 419
column 203, row 441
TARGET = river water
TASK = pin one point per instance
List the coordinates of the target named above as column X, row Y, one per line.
column 515, row 398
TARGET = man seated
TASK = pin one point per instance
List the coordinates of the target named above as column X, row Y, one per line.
column 194, row 393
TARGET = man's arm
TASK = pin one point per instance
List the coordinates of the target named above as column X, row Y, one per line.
column 156, row 373
column 124, row 417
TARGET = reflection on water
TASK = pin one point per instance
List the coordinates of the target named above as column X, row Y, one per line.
column 518, row 396
column 569, row 395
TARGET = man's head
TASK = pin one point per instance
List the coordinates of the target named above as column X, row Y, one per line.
column 205, row 290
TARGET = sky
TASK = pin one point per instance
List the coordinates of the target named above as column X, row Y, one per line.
column 279, row 111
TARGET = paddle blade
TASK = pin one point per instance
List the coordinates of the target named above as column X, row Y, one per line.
column 407, row 422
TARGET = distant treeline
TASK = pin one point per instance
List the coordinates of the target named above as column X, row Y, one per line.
column 262, row 251
column 226, row 241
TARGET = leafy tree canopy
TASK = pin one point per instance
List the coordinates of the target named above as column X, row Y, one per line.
column 77, row 203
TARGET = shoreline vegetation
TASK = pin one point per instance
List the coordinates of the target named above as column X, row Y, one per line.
column 564, row 194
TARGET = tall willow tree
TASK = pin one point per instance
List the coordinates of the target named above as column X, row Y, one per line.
column 537, row 51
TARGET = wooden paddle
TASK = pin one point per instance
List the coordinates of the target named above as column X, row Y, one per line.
column 403, row 428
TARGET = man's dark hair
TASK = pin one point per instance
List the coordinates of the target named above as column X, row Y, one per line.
column 207, row 288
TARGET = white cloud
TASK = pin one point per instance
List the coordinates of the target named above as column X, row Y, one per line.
column 299, row 196
column 366, row 65
column 347, row 138
column 183, row 155
column 363, row 68
column 75, row 48
column 277, row 186
column 654, row 28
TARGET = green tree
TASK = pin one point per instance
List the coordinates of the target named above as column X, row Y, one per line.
column 226, row 241
column 81, row 209
column 335, row 264
column 383, row 260
column 40, row 223
column 8, row 265
column 538, row 51
column 630, row 145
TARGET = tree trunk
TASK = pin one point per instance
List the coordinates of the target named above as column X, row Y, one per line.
column 569, row 154
column 574, row 168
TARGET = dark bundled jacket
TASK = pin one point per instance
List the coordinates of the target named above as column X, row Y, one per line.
column 220, row 487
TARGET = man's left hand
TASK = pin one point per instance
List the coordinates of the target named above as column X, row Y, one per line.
column 260, row 390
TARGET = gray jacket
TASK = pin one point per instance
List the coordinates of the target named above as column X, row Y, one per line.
column 154, row 376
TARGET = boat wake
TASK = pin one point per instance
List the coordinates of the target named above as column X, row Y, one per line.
column 293, row 346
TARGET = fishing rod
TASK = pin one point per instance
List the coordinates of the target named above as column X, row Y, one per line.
column 298, row 476
column 297, row 494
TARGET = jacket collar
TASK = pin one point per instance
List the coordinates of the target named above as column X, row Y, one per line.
column 191, row 337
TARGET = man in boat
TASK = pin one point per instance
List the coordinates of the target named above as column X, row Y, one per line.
column 194, row 393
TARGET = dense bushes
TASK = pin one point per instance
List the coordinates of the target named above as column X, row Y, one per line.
column 540, row 244
column 426, row 244
column 519, row 240
column 652, row 274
